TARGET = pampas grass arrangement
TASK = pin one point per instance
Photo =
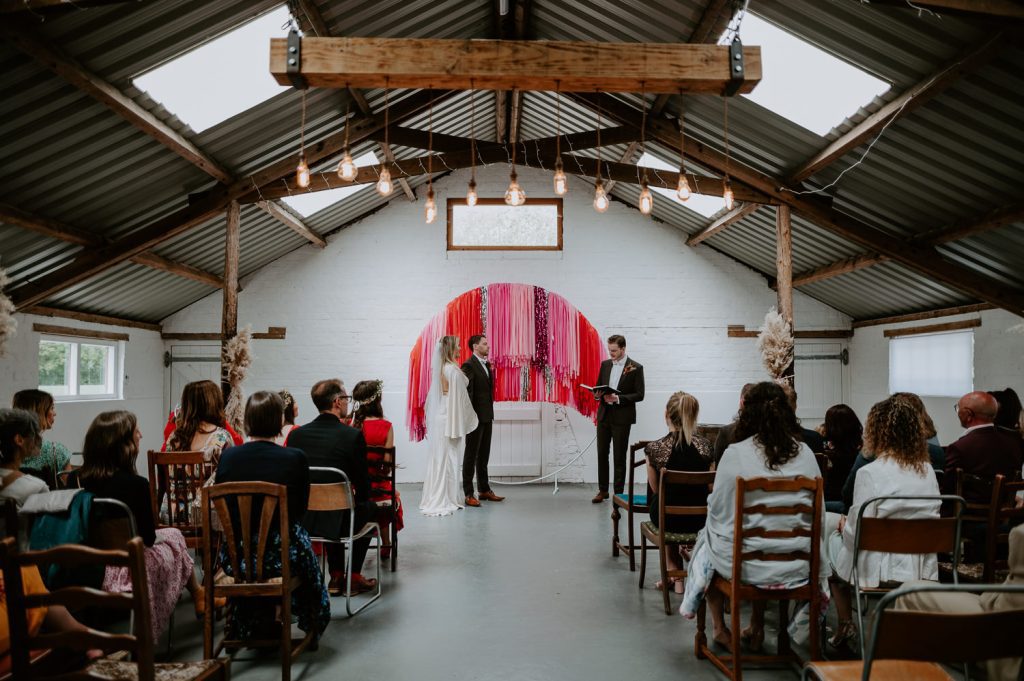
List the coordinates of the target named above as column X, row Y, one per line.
column 237, row 358
column 8, row 324
column 775, row 341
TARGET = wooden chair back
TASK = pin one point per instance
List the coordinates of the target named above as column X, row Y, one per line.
column 111, row 524
column 176, row 478
column 910, row 535
column 139, row 642
column 246, row 549
column 330, row 496
column 978, row 486
column 1003, row 514
column 669, row 479
column 383, row 466
column 812, row 487
column 635, row 462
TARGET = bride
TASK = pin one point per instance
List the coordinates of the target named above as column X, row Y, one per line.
column 450, row 417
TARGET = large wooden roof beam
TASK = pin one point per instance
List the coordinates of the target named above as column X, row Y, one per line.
column 735, row 215
column 511, row 64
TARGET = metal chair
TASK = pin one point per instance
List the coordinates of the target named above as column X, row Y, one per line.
column 632, row 503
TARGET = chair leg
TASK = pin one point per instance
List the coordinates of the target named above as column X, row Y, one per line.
column 700, row 639
column 783, row 645
column 286, row 638
column 632, row 543
column 734, row 615
column 860, row 619
column 643, row 558
column 394, row 543
column 665, row 587
column 615, row 530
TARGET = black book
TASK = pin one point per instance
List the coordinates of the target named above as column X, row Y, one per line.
column 599, row 390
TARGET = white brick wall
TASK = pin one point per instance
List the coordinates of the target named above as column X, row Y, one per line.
column 355, row 309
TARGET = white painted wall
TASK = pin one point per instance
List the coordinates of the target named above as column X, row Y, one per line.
column 355, row 309
column 998, row 364
column 143, row 387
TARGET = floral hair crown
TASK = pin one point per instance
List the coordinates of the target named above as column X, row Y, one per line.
column 375, row 396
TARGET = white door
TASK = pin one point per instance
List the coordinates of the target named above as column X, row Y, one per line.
column 819, row 379
column 517, row 440
column 190, row 363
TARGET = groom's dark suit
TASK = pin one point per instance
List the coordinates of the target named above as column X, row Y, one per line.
column 614, row 420
column 478, row 443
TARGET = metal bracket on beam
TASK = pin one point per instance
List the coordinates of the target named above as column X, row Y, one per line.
column 294, row 69
column 737, row 70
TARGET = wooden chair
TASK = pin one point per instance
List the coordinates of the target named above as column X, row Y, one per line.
column 903, row 536
column 337, row 496
column 736, row 591
column 908, row 644
column 250, row 499
column 657, row 535
column 177, row 478
column 998, row 515
column 139, row 642
column 632, row 503
column 384, row 470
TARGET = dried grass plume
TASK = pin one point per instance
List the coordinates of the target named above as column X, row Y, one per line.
column 8, row 324
column 237, row 358
column 775, row 341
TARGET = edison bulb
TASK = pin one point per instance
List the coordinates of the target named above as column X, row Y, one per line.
column 559, row 179
column 646, row 200
column 727, row 195
column 347, row 167
column 430, row 208
column 683, row 189
column 384, row 186
column 600, row 197
column 302, row 172
column 471, row 194
column 514, row 195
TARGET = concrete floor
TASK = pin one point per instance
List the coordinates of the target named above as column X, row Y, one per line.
column 526, row 590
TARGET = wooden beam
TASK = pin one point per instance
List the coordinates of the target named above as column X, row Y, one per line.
column 385, row 149
column 229, row 309
column 735, row 215
column 511, row 64
column 784, row 262
column 163, row 264
column 44, row 311
column 907, row 102
column 313, row 18
column 272, row 333
column 1007, row 9
column 932, row 328
column 919, row 316
column 516, row 116
column 285, row 217
column 24, row 37
column 834, row 269
column 501, row 116
column 205, row 208
column 922, row 259
column 739, row 331
column 627, row 157
column 55, row 330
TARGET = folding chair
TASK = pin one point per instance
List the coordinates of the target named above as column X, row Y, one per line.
column 632, row 503
column 337, row 496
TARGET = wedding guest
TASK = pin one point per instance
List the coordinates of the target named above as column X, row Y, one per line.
column 725, row 435
column 263, row 460
column 199, row 427
column 895, row 433
column 19, row 439
column 53, row 457
column 983, row 450
column 813, row 439
column 379, row 432
column 768, row 444
column 678, row 451
column 1010, row 415
column 843, row 439
column 108, row 470
column 291, row 412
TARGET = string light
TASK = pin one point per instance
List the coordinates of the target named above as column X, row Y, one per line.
column 646, row 198
column 430, row 208
column 683, row 188
column 384, row 184
column 726, row 186
column 471, row 196
column 347, row 166
column 514, row 195
column 561, row 186
column 646, row 202
column 600, row 195
column 302, row 170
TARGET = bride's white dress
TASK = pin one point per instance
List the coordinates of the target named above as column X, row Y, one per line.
column 449, row 419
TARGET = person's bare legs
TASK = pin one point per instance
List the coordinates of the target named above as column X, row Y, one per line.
column 720, row 631
column 58, row 619
column 843, row 598
column 754, row 633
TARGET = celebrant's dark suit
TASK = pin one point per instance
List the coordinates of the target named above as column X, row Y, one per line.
column 614, row 420
column 478, row 443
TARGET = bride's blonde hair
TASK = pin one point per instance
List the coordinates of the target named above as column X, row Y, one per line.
column 450, row 349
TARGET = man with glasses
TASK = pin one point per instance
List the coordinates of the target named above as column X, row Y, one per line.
column 983, row 450
column 328, row 442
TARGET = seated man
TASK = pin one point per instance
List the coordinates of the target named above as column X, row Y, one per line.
column 330, row 443
column 983, row 450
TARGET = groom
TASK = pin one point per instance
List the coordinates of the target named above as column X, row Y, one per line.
column 616, row 413
column 478, row 443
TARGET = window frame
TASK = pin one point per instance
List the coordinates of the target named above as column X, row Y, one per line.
column 553, row 201
column 115, row 368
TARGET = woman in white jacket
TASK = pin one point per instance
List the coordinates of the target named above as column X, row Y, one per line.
column 901, row 467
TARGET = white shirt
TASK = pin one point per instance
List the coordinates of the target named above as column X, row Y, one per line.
column 978, row 427
column 483, row 363
column 616, row 375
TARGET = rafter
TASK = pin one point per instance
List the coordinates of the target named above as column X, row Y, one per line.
column 628, row 156
column 837, row 268
column 284, row 216
column 44, row 311
column 910, row 100
column 922, row 259
column 735, row 215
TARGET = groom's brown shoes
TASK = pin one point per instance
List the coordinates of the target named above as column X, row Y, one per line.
column 471, row 501
column 491, row 496
column 599, row 497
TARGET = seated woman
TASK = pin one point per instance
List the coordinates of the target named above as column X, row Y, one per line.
column 843, row 435
column 20, row 439
column 896, row 433
column 683, row 455
column 767, row 444
column 108, row 470
column 263, row 460
column 378, row 431
column 291, row 413
column 52, row 457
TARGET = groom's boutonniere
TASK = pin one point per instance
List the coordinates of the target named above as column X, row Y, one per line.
column 628, row 368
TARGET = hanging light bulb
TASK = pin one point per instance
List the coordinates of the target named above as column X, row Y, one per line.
column 430, row 208
column 646, row 199
column 384, row 186
column 347, row 167
column 559, row 179
column 600, row 196
column 302, row 172
column 514, row 195
column 726, row 187
column 683, row 188
column 471, row 194
column 727, row 195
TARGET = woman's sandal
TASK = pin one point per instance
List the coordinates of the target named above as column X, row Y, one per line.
column 844, row 633
column 753, row 640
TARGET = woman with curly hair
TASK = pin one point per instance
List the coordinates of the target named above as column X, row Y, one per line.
column 767, row 444
column 896, row 433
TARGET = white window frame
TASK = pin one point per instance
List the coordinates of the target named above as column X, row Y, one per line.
column 115, row 369
column 924, row 391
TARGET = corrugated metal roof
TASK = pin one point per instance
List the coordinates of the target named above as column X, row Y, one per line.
column 67, row 157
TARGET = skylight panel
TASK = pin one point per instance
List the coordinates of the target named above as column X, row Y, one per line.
column 314, row 202
column 705, row 205
column 220, row 79
column 804, row 83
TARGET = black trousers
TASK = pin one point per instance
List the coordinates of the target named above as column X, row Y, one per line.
column 336, row 552
column 478, row 453
column 614, row 437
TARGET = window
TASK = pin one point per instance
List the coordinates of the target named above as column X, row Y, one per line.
column 80, row 369
column 700, row 203
column 222, row 78
column 314, row 202
column 491, row 225
column 804, row 83
column 939, row 365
